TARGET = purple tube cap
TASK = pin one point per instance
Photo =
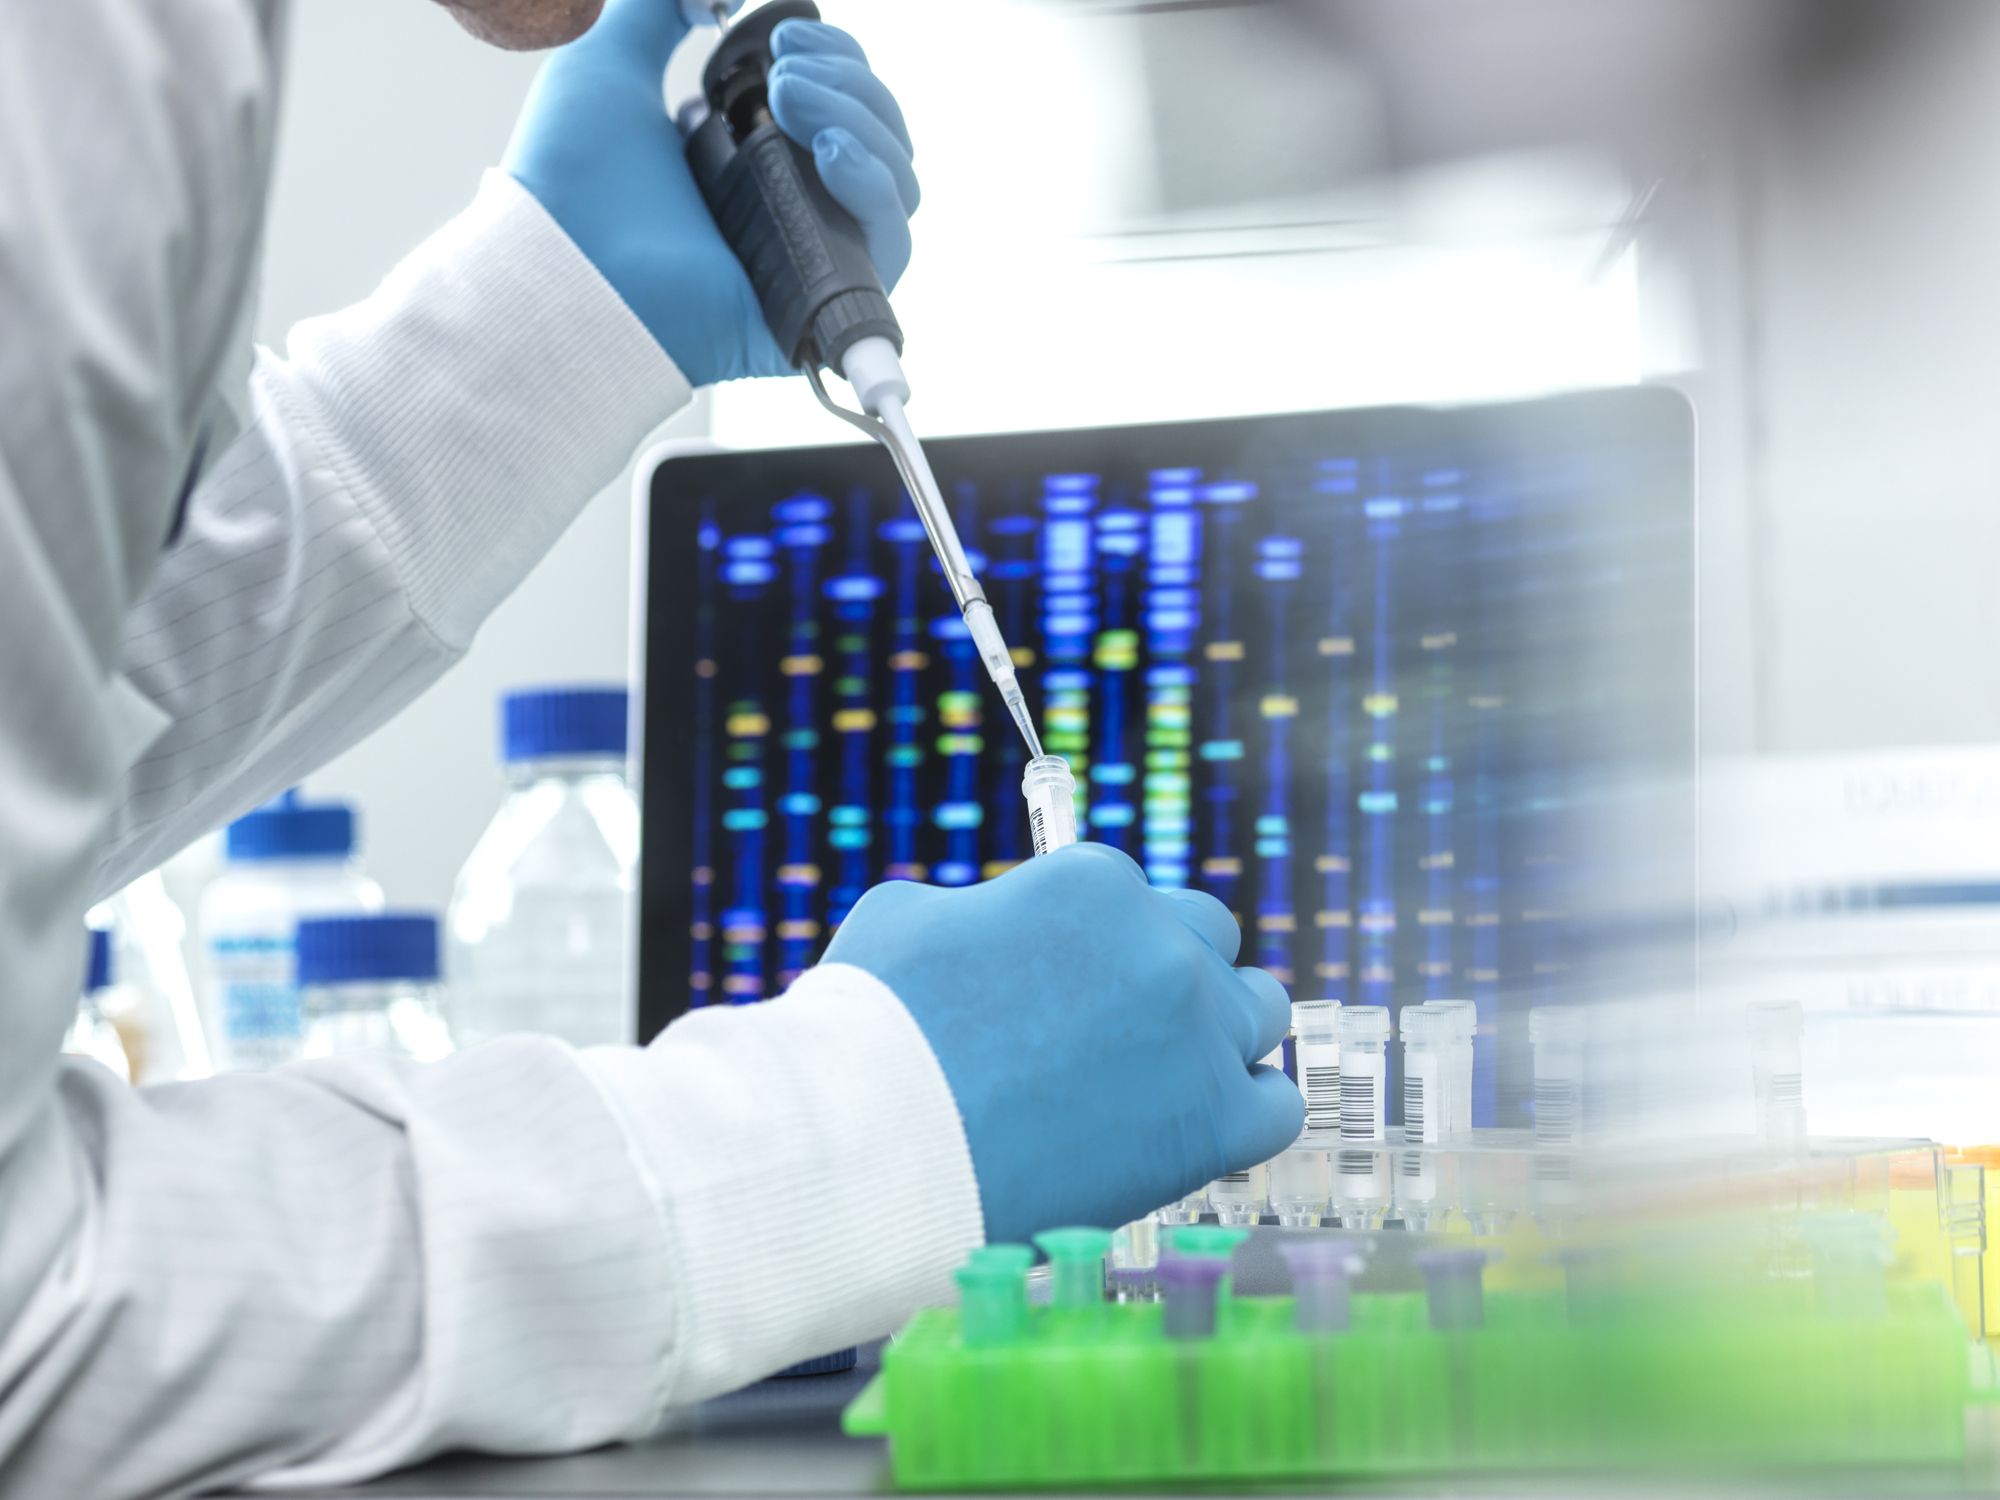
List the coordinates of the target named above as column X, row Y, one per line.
column 1452, row 1262
column 1190, row 1270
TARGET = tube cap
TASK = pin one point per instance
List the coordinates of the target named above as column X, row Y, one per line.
column 98, row 974
column 536, row 723
column 286, row 828
column 1363, row 1023
column 360, row 950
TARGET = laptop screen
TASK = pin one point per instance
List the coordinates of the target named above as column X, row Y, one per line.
column 1410, row 690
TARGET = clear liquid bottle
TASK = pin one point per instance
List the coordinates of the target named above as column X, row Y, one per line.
column 285, row 861
column 370, row 984
column 538, row 932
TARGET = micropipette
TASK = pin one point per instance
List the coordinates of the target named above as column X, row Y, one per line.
column 819, row 291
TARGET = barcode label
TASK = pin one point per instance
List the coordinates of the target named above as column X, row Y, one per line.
column 1319, row 1081
column 1361, row 1097
column 1555, row 1111
column 1420, row 1098
column 1787, row 1091
column 1356, row 1163
column 1241, row 1179
column 1038, row 829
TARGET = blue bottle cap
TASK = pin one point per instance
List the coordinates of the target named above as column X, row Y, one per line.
column 366, row 950
column 98, row 975
column 286, row 828
column 539, row 722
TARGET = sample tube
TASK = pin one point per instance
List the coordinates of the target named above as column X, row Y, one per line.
column 1777, row 1034
column 1239, row 1197
column 1361, row 1193
column 1189, row 1284
column 1555, row 1032
column 1051, row 793
column 993, row 1295
column 1464, row 1022
column 1186, row 1210
column 1076, row 1257
column 1428, row 1036
column 1316, row 1050
column 1454, row 1287
column 1190, row 1276
column 1301, row 1184
column 1320, row 1270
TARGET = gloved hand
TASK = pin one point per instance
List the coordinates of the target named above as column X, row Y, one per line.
column 596, row 148
column 1099, row 1046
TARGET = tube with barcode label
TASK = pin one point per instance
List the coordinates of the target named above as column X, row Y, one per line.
column 1051, row 793
column 1361, row 1192
column 1316, row 1054
column 1777, row 1036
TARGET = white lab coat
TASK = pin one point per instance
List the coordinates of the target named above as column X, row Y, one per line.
column 312, row 1275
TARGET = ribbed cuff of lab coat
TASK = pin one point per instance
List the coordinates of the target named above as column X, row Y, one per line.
column 478, row 400
column 811, row 1172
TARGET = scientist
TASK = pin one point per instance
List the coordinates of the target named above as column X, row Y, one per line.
column 216, row 572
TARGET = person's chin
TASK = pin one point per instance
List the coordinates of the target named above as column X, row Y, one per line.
column 525, row 25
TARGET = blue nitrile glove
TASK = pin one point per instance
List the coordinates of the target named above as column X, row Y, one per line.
column 1099, row 1046
column 596, row 148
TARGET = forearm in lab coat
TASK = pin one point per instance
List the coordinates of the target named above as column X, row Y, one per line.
column 406, row 466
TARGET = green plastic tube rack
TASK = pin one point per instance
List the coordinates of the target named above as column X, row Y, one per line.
column 1737, row 1379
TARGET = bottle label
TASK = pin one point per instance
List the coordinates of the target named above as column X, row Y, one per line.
column 259, row 1011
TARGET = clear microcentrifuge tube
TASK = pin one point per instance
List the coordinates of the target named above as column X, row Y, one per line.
column 1464, row 1023
column 993, row 1295
column 1454, row 1287
column 1076, row 1256
column 1316, row 1055
column 1051, row 793
column 1555, row 1033
column 1186, row 1210
column 1427, row 1070
column 1361, row 1189
column 1239, row 1197
column 1321, row 1269
column 1777, row 1034
column 1301, row 1184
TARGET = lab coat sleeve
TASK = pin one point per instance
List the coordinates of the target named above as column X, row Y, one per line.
column 404, row 468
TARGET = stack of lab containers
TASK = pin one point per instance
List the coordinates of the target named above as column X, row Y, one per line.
column 287, row 860
column 539, row 924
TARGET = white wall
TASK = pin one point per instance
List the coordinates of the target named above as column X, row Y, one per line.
column 391, row 115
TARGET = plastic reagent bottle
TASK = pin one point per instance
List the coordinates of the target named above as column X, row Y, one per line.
column 287, row 860
column 92, row 1035
column 1051, row 793
column 538, row 936
column 370, row 984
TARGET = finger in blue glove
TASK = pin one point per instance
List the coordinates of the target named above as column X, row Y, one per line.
column 1100, row 1048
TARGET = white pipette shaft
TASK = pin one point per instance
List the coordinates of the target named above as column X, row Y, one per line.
column 875, row 373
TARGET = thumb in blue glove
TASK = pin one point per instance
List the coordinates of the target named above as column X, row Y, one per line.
column 596, row 148
column 1100, row 1048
